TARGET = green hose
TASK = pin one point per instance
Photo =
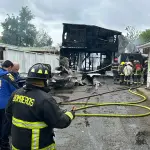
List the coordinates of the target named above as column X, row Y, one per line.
column 94, row 104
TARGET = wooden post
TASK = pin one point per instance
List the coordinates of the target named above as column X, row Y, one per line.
column 85, row 61
column 148, row 75
column 89, row 60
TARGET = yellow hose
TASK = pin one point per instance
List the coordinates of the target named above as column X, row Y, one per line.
column 94, row 104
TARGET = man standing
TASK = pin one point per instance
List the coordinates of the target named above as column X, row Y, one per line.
column 121, row 73
column 34, row 113
column 114, row 69
column 15, row 71
column 128, row 69
column 138, row 72
column 7, row 86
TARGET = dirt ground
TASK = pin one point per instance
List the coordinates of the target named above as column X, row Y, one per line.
column 104, row 133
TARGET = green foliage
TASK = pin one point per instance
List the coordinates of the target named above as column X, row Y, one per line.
column 19, row 31
column 145, row 36
column 10, row 33
column 27, row 31
column 43, row 39
column 132, row 34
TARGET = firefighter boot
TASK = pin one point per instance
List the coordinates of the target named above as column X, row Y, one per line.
column 5, row 145
column 129, row 83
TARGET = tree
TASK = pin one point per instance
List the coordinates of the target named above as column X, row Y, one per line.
column 27, row 30
column 132, row 34
column 43, row 39
column 145, row 36
column 18, row 30
column 10, row 33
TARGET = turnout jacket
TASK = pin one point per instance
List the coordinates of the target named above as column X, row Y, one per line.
column 127, row 70
column 115, row 66
column 34, row 114
column 120, row 69
column 7, row 87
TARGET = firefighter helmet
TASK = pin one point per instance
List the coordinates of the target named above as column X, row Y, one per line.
column 122, row 63
column 129, row 63
column 39, row 71
column 115, row 59
column 146, row 61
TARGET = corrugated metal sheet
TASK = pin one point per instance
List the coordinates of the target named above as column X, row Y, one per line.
column 27, row 59
column 46, row 48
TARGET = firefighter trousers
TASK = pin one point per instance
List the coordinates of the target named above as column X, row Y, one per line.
column 115, row 75
column 127, row 80
column 137, row 79
column 5, row 130
column 121, row 78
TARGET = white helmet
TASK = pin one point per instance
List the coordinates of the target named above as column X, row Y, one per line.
column 129, row 63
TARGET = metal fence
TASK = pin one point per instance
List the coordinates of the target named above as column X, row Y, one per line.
column 27, row 59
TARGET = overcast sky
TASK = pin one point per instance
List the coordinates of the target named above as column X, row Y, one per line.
column 112, row 14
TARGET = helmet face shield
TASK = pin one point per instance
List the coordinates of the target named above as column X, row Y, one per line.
column 39, row 71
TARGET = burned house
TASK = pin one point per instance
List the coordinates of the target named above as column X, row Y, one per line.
column 88, row 47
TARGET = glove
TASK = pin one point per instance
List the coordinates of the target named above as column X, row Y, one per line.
column 73, row 113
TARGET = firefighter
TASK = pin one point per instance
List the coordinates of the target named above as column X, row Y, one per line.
column 138, row 72
column 145, row 71
column 114, row 69
column 34, row 113
column 7, row 86
column 128, row 73
column 15, row 71
column 120, row 71
column 133, row 72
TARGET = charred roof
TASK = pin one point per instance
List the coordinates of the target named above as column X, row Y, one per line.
column 104, row 31
column 89, row 36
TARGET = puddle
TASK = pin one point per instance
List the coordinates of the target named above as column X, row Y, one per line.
column 64, row 98
column 62, row 92
column 141, row 137
column 89, row 90
column 87, row 124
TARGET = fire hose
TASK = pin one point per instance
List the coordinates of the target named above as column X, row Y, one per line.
column 94, row 104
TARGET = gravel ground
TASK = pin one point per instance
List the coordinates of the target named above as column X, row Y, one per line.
column 104, row 133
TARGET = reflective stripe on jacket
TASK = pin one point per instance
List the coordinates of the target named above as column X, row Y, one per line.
column 35, row 127
column 115, row 66
column 34, row 114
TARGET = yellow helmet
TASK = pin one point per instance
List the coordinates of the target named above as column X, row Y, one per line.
column 122, row 63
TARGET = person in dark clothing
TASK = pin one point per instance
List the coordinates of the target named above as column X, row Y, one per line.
column 34, row 113
column 7, row 86
column 20, row 80
column 138, row 72
column 114, row 69
column 15, row 71
column 145, row 70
